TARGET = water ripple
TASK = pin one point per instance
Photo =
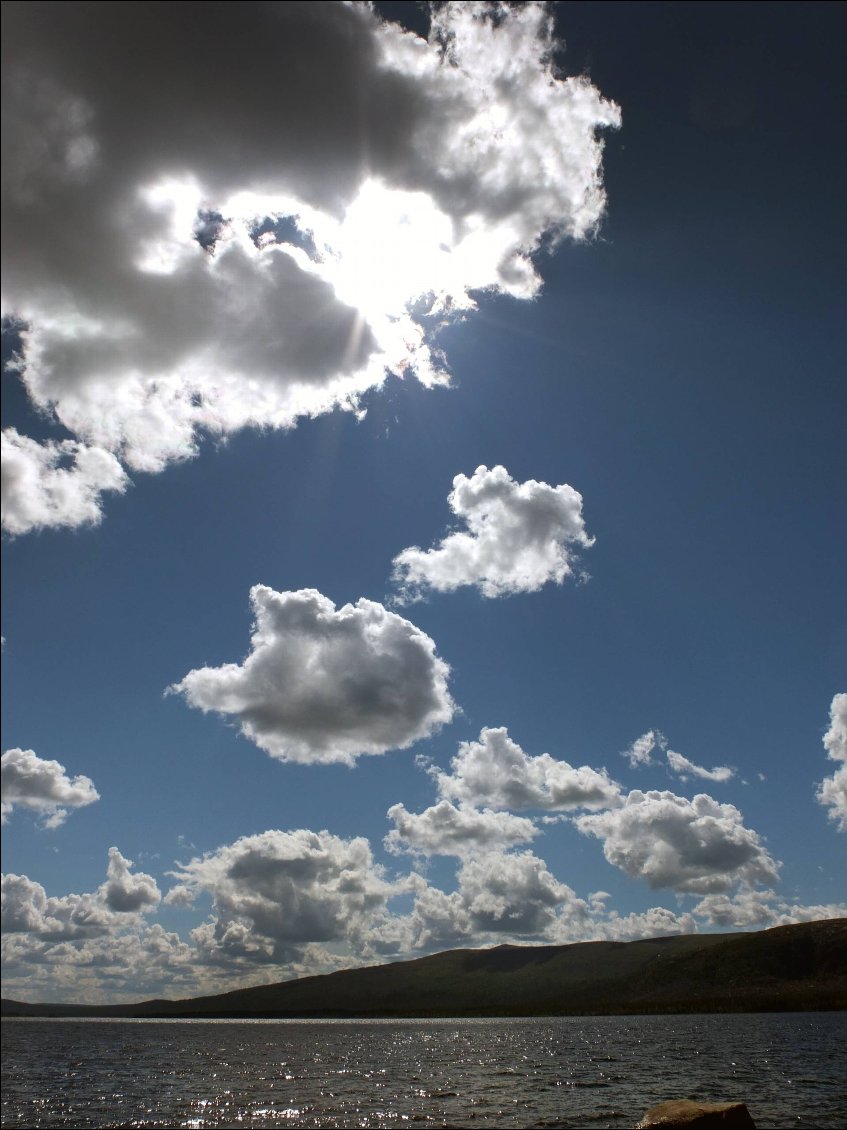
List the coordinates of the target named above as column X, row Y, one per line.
column 556, row 1072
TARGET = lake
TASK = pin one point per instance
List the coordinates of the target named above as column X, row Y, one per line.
column 790, row 1069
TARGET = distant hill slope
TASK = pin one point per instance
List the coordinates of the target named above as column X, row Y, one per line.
column 788, row 968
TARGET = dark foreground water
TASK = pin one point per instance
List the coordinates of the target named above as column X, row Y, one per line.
column 790, row 1069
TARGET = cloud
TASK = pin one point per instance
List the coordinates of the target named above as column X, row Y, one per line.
column 515, row 898
column 24, row 905
column 444, row 829
column 276, row 892
column 28, row 781
column 439, row 920
column 683, row 767
column 495, row 771
column 500, row 896
column 748, row 909
column 641, row 751
column 98, row 946
column 126, row 964
column 124, row 892
column 326, row 685
column 39, row 491
column 519, row 536
column 115, row 904
column 640, row 754
column 655, row 922
column 693, row 846
column 835, row 739
column 256, row 225
column 832, row 791
column 295, row 903
column 514, row 894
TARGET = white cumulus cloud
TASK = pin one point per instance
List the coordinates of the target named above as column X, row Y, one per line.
column 39, row 491
column 832, row 791
column 30, row 781
column 252, row 226
column 495, row 771
column 518, row 537
column 445, row 829
column 325, row 685
column 695, row 846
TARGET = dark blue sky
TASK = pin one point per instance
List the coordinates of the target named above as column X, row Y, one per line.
column 683, row 370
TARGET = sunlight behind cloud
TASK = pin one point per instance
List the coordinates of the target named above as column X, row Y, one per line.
column 181, row 269
column 392, row 248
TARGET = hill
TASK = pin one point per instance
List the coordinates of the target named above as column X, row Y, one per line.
column 787, row 968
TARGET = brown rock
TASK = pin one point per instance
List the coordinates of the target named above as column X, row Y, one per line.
column 683, row 1114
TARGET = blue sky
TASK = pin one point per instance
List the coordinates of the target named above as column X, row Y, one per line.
column 632, row 355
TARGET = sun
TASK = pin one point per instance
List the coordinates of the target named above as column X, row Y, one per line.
column 392, row 249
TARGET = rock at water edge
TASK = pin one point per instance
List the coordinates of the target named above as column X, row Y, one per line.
column 687, row 1115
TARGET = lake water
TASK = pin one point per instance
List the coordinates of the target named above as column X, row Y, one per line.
column 790, row 1069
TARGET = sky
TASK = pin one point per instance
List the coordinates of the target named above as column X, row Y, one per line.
column 423, row 483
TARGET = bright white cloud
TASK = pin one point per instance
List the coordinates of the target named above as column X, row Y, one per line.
column 685, row 768
column 832, row 791
column 641, row 751
column 495, row 771
column 29, row 781
column 519, row 536
column 326, row 685
column 54, row 484
column 445, row 829
column 696, row 846
column 400, row 171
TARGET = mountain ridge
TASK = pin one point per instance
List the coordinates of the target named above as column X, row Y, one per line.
column 799, row 967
